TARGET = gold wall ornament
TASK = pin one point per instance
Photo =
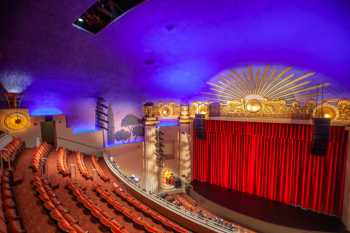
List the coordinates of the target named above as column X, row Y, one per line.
column 165, row 111
column 199, row 107
column 168, row 110
column 161, row 110
column 344, row 109
column 266, row 83
column 336, row 109
column 16, row 120
column 253, row 105
column 326, row 111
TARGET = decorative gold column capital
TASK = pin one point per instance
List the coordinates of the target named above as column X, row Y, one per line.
column 151, row 121
column 184, row 114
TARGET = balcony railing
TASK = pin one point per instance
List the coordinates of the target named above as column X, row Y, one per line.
column 213, row 225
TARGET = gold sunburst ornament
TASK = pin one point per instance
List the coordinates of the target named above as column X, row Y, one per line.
column 256, row 85
column 16, row 121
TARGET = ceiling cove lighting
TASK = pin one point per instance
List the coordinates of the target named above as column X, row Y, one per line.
column 82, row 129
column 49, row 111
column 168, row 123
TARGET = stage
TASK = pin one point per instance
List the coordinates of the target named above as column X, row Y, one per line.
column 261, row 214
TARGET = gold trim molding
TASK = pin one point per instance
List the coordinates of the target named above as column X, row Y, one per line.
column 336, row 109
column 260, row 92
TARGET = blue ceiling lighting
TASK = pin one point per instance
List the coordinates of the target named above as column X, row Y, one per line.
column 168, row 123
column 45, row 111
column 84, row 129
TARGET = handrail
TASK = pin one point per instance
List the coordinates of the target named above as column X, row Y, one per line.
column 79, row 143
column 207, row 223
column 5, row 139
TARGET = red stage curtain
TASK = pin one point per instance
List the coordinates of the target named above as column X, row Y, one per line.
column 273, row 161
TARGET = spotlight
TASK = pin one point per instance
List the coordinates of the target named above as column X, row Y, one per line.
column 80, row 20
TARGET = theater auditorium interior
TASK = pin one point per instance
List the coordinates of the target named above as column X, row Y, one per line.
column 174, row 116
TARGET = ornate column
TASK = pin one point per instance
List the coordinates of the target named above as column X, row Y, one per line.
column 151, row 179
column 185, row 144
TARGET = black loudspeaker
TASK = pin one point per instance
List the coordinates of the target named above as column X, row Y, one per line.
column 199, row 126
column 320, row 136
column 177, row 182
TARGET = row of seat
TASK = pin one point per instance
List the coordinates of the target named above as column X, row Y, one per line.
column 82, row 166
column 62, row 165
column 65, row 221
column 3, row 226
column 112, row 224
column 9, row 152
column 185, row 203
column 8, row 204
column 98, row 168
column 40, row 152
column 146, row 210
column 135, row 217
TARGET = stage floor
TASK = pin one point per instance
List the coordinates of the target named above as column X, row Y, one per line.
column 268, row 211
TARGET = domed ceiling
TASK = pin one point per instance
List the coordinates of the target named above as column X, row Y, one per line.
column 167, row 49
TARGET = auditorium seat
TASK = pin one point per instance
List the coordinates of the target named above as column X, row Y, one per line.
column 147, row 211
column 42, row 151
column 62, row 165
column 3, row 227
column 65, row 221
column 10, row 214
column 132, row 215
column 98, row 168
column 82, row 166
column 94, row 210
column 11, row 150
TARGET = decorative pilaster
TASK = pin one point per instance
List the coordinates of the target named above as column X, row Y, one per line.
column 151, row 169
column 185, row 145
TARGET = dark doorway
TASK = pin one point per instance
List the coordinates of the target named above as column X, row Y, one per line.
column 48, row 132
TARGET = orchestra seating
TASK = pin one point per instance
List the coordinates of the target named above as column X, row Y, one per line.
column 180, row 200
column 82, row 166
column 62, row 165
column 65, row 221
column 42, row 151
column 10, row 214
column 98, row 168
column 10, row 151
column 3, row 227
column 147, row 211
column 127, row 212
column 107, row 221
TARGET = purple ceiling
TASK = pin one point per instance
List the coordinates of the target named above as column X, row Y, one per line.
column 167, row 49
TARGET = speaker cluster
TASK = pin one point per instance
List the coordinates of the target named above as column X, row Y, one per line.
column 320, row 136
column 199, row 126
